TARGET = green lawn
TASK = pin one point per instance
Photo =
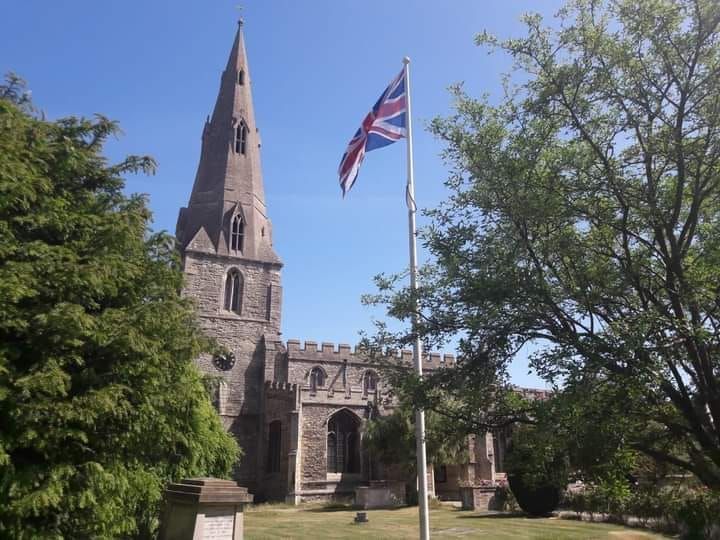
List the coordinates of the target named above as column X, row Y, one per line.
column 315, row 522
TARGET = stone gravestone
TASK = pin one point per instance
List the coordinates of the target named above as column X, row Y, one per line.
column 204, row 509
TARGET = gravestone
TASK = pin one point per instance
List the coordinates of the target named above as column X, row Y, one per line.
column 204, row 509
column 380, row 494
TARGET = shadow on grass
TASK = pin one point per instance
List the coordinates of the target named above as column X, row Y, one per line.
column 348, row 508
column 503, row 515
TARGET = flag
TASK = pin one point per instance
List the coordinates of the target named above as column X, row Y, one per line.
column 385, row 124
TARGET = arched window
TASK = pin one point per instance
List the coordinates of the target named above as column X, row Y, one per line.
column 343, row 443
column 274, row 446
column 241, row 77
column 317, row 378
column 233, row 291
column 370, row 380
column 241, row 135
column 237, row 233
column 268, row 302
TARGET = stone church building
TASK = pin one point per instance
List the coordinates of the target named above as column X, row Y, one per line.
column 297, row 409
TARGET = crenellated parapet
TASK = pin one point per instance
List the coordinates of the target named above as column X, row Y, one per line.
column 348, row 395
column 282, row 391
column 534, row 394
column 279, row 388
column 330, row 352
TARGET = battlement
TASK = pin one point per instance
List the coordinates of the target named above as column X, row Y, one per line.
column 330, row 352
column 275, row 389
column 311, row 347
column 534, row 393
column 281, row 386
column 350, row 395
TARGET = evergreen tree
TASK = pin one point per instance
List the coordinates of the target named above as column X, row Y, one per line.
column 100, row 403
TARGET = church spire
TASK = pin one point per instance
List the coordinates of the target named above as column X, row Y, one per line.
column 226, row 213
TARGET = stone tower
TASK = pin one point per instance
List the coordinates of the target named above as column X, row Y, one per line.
column 231, row 269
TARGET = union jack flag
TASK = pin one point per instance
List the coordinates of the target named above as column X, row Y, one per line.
column 385, row 124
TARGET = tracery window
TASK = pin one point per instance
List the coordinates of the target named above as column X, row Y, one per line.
column 317, row 378
column 343, row 443
column 233, row 291
column 370, row 380
column 237, row 233
column 274, row 446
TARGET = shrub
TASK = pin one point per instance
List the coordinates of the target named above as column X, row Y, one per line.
column 577, row 502
column 537, row 500
column 537, row 470
column 699, row 516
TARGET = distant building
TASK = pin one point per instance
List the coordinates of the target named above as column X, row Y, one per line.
column 296, row 409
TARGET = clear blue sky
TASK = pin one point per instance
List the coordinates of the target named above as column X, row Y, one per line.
column 317, row 67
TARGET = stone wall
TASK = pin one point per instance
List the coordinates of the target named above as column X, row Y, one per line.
column 240, row 397
column 314, row 451
column 280, row 402
column 205, row 282
column 314, row 442
column 449, row 490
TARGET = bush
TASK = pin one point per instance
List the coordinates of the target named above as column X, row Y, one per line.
column 537, row 470
column 698, row 516
column 577, row 501
column 539, row 500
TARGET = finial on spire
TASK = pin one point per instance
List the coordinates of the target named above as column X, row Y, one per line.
column 239, row 7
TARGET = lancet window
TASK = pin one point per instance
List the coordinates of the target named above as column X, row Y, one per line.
column 241, row 135
column 233, row 291
column 237, row 233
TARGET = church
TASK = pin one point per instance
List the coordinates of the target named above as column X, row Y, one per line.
column 296, row 409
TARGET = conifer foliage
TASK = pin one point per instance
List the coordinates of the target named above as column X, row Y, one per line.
column 100, row 403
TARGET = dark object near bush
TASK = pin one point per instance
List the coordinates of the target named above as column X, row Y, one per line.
column 537, row 500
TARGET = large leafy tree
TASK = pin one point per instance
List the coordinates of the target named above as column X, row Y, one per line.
column 100, row 404
column 583, row 225
column 391, row 439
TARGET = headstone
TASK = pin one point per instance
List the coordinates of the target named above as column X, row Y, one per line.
column 204, row 509
column 380, row 494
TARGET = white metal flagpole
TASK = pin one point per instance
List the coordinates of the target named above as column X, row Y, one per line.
column 417, row 346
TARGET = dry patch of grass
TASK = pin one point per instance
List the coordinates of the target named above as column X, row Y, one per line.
column 282, row 521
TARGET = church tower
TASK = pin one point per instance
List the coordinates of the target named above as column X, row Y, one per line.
column 231, row 268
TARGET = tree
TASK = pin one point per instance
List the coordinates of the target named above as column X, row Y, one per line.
column 100, row 403
column 391, row 439
column 583, row 223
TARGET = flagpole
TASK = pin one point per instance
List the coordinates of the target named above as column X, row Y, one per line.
column 417, row 346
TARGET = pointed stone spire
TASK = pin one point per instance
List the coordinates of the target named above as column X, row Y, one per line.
column 229, row 181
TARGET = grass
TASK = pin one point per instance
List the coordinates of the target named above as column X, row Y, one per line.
column 273, row 521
